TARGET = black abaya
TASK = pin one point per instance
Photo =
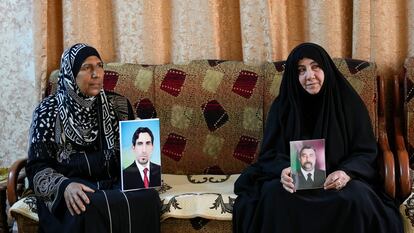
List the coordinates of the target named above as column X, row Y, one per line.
column 338, row 115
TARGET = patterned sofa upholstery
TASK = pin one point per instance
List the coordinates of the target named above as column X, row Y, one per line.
column 212, row 116
column 403, row 103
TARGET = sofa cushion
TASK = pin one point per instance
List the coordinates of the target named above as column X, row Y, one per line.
column 182, row 196
column 136, row 82
column 190, row 196
column 210, row 115
column 25, row 206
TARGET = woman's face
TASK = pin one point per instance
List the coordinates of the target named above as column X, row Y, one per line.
column 311, row 75
column 90, row 76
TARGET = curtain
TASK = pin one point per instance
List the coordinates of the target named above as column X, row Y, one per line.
column 177, row 31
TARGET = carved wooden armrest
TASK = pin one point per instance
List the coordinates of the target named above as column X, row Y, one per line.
column 14, row 178
column 387, row 164
column 402, row 161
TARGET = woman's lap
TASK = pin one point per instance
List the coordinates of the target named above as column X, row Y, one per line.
column 108, row 209
column 355, row 208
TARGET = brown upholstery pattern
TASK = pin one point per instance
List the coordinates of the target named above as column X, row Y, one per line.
column 211, row 115
column 135, row 82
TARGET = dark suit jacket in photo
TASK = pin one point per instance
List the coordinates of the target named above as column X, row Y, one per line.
column 318, row 180
column 132, row 177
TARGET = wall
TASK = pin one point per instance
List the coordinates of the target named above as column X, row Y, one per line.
column 17, row 79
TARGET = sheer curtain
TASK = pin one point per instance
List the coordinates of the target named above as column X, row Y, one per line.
column 177, row 31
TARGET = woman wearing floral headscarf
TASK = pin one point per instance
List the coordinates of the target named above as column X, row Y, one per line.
column 315, row 102
column 73, row 163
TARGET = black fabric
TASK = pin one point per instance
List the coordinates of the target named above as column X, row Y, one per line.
column 81, row 56
column 134, row 211
column 338, row 115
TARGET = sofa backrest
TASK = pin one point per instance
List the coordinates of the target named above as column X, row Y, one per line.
column 212, row 112
column 408, row 92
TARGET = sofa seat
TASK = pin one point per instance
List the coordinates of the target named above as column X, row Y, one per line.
column 190, row 196
column 210, row 197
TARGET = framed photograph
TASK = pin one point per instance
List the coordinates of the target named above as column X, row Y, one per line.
column 140, row 154
column 307, row 161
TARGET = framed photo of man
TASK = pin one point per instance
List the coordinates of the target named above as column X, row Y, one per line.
column 140, row 154
column 307, row 161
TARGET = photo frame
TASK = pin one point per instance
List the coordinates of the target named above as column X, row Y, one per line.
column 140, row 156
column 307, row 161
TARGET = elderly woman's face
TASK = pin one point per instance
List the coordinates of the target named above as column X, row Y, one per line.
column 311, row 75
column 90, row 76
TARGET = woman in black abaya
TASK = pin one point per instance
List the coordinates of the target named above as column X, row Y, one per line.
column 315, row 102
column 73, row 165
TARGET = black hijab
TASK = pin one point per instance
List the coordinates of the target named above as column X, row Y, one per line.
column 336, row 114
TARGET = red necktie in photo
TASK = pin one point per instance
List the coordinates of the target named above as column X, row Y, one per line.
column 146, row 183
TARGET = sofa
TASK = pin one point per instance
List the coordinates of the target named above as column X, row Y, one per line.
column 403, row 116
column 212, row 115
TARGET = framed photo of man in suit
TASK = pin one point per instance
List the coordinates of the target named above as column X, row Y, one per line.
column 307, row 160
column 140, row 154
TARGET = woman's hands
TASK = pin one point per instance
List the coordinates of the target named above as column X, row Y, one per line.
column 336, row 180
column 75, row 197
column 287, row 181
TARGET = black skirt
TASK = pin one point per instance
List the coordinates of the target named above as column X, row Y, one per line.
column 356, row 208
column 109, row 211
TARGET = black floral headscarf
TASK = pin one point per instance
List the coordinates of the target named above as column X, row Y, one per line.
column 76, row 112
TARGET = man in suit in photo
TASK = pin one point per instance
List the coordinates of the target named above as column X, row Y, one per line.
column 308, row 176
column 142, row 173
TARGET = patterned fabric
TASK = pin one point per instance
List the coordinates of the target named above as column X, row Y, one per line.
column 75, row 109
column 26, row 207
column 136, row 83
column 409, row 105
column 206, row 196
column 211, row 115
column 407, row 212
